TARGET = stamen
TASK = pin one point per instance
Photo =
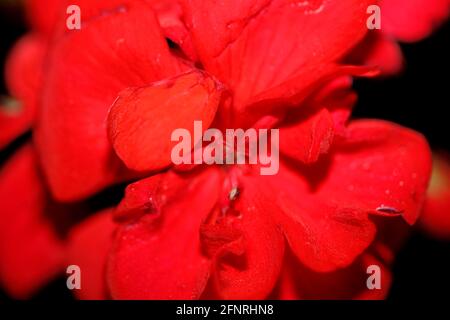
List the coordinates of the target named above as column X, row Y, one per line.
column 234, row 193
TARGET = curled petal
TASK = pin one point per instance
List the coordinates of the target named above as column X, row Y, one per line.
column 306, row 140
column 142, row 120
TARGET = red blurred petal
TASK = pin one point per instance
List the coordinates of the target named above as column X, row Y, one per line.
column 31, row 254
column 88, row 247
column 297, row 282
column 159, row 256
column 23, row 71
column 257, row 46
column 141, row 121
column 380, row 51
column 413, row 20
column 168, row 12
column 435, row 218
column 14, row 121
column 43, row 14
column 80, row 88
column 308, row 132
column 170, row 16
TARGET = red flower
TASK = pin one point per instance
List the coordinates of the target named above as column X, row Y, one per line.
column 115, row 90
column 237, row 244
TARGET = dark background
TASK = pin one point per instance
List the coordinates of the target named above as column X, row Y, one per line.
column 417, row 99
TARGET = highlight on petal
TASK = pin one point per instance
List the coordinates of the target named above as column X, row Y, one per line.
column 142, row 120
column 258, row 48
column 80, row 87
column 413, row 20
column 31, row 253
column 160, row 256
column 88, row 248
column 435, row 218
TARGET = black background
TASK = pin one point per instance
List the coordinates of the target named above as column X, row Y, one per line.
column 418, row 98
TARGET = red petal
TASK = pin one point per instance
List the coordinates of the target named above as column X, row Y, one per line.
column 310, row 137
column 14, row 121
column 88, row 248
column 23, row 71
column 248, row 263
column 308, row 132
column 383, row 170
column 43, row 15
column 170, row 16
column 125, row 48
column 435, row 218
column 149, row 195
column 30, row 251
column 141, row 121
column 256, row 46
column 413, row 20
column 397, row 162
column 169, row 13
column 298, row 282
column 380, row 51
column 159, row 257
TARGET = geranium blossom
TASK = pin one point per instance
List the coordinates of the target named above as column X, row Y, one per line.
column 103, row 102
